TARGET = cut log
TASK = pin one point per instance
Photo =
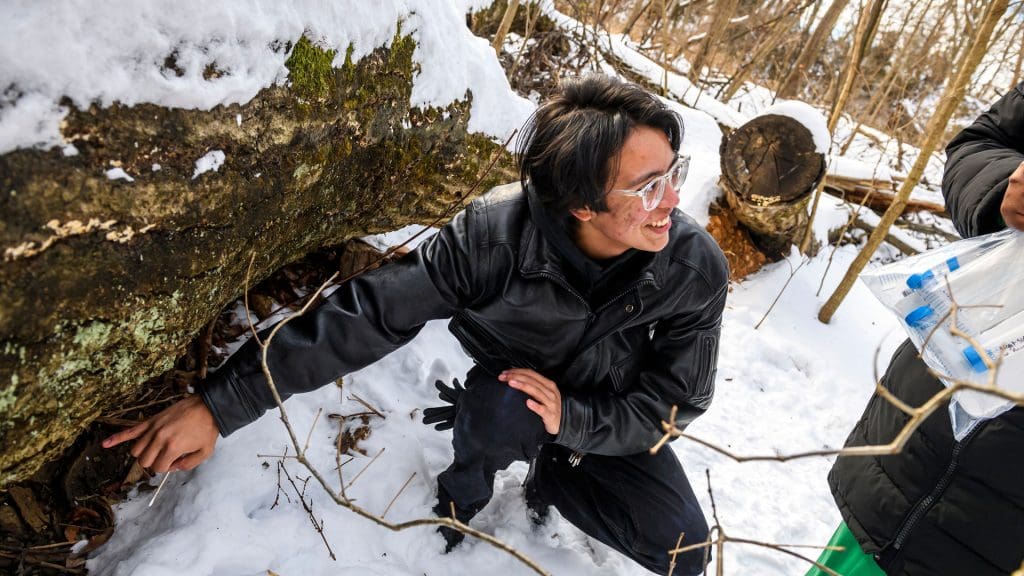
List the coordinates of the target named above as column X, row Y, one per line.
column 880, row 194
column 770, row 167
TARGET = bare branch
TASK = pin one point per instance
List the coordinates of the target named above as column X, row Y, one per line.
column 400, row 490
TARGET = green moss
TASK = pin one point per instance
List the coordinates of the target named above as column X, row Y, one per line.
column 93, row 335
column 311, row 70
column 7, row 395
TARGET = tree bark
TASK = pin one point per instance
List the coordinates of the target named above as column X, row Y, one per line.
column 774, row 40
column 952, row 97
column 811, row 50
column 106, row 281
column 724, row 9
column 506, row 24
column 865, row 25
column 769, row 167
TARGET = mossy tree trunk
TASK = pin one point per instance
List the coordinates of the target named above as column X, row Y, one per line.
column 104, row 282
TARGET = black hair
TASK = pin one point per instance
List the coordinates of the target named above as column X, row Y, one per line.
column 567, row 147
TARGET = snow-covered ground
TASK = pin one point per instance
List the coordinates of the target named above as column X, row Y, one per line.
column 789, row 386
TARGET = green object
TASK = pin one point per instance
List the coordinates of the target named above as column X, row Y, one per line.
column 851, row 561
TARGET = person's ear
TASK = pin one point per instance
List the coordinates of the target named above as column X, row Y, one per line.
column 582, row 214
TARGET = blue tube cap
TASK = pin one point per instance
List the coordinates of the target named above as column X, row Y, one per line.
column 918, row 315
column 974, row 359
column 915, row 281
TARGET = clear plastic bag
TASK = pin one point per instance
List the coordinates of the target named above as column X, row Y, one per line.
column 984, row 277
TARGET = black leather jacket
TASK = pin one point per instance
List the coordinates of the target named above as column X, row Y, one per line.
column 620, row 367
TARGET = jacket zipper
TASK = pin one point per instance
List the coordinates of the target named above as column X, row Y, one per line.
column 926, row 503
column 588, row 345
column 561, row 282
column 623, row 293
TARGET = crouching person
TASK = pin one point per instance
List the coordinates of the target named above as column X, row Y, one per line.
column 590, row 305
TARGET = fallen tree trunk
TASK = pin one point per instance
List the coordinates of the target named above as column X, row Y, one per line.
column 880, row 194
column 105, row 281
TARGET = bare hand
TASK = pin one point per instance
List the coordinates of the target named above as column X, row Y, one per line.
column 1012, row 208
column 545, row 399
column 179, row 438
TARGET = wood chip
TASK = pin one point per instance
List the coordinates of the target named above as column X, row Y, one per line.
column 29, row 509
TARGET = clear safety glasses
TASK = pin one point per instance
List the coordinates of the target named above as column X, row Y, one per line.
column 652, row 192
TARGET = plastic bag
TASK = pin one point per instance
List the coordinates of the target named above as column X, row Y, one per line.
column 984, row 276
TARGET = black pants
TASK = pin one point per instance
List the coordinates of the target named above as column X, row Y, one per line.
column 637, row 504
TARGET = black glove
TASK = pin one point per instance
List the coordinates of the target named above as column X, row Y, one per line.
column 443, row 417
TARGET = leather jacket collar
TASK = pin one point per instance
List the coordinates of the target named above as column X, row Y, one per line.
column 538, row 255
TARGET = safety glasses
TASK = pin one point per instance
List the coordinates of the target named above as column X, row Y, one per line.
column 652, row 192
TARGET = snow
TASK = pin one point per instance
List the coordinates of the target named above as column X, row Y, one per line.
column 856, row 169
column 212, row 160
column 118, row 174
column 156, row 52
column 809, row 116
column 678, row 85
column 790, row 385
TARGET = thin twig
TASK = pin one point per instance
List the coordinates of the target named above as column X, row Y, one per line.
column 311, row 428
column 368, row 464
column 674, row 553
column 308, row 507
column 158, row 488
column 356, row 397
column 400, row 490
column 347, row 416
column 33, row 561
column 792, row 273
column 248, row 316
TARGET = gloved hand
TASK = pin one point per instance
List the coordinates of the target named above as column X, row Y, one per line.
column 443, row 417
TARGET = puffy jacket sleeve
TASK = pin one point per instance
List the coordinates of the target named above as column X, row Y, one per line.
column 979, row 162
column 359, row 323
column 678, row 370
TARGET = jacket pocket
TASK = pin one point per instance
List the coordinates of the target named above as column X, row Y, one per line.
column 488, row 352
column 623, row 373
column 705, row 381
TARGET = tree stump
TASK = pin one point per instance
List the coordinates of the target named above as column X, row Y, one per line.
column 770, row 167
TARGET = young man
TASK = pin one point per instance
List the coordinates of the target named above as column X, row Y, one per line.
column 943, row 507
column 590, row 306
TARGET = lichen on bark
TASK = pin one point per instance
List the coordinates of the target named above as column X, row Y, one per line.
column 337, row 152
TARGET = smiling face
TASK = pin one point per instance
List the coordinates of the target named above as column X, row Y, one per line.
column 645, row 155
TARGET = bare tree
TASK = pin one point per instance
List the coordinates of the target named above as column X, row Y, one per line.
column 811, row 49
column 722, row 13
column 506, row 23
column 866, row 25
column 952, row 97
column 782, row 28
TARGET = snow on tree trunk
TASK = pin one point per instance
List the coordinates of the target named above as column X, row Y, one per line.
column 115, row 257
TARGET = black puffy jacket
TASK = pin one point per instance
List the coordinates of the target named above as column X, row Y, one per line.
column 620, row 367
column 943, row 507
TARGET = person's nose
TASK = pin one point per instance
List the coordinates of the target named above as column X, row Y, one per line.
column 671, row 197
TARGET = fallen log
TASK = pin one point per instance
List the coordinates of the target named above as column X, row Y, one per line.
column 880, row 194
column 104, row 282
